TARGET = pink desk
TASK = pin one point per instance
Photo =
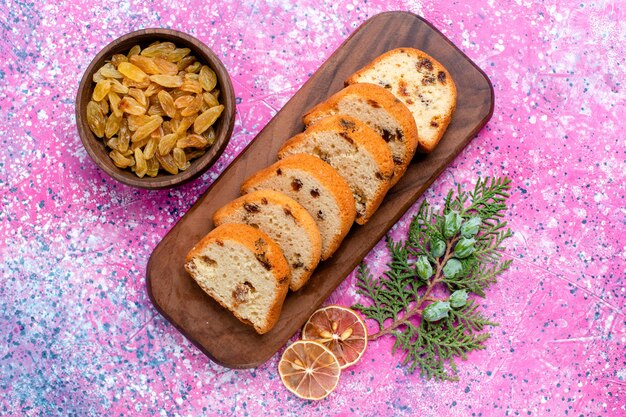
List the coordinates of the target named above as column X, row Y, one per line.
column 78, row 334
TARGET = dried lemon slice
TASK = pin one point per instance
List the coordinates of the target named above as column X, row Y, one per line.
column 309, row 370
column 339, row 329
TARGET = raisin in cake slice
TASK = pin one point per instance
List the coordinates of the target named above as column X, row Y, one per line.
column 318, row 188
column 286, row 222
column 381, row 111
column 244, row 270
column 359, row 154
column 421, row 83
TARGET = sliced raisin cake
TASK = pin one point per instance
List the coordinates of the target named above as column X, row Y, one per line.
column 244, row 270
column 381, row 111
column 318, row 188
column 357, row 152
column 421, row 83
column 286, row 222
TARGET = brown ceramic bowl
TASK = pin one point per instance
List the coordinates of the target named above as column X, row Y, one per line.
column 223, row 127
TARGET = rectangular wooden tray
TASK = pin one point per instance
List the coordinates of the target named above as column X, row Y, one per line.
column 213, row 329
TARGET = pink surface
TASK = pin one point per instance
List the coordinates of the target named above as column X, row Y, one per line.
column 80, row 335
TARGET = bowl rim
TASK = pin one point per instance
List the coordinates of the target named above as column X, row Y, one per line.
column 202, row 164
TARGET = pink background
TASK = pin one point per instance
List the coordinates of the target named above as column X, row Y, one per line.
column 78, row 333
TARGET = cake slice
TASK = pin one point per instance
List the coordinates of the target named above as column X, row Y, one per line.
column 421, row 83
column 359, row 155
column 283, row 220
column 244, row 270
column 381, row 111
column 318, row 188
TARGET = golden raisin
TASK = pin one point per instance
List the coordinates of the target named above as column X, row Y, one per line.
column 138, row 95
column 184, row 101
column 129, row 105
column 134, row 121
column 158, row 49
column 118, row 87
column 170, row 81
column 167, row 143
column 153, row 167
column 185, row 62
column 167, row 103
column 209, row 135
column 134, row 51
column 114, row 103
column 165, row 67
column 177, row 54
column 112, row 125
column 194, row 107
column 192, row 141
column 132, row 71
column 123, row 136
column 95, row 119
column 127, row 82
column 210, row 99
column 113, row 142
column 193, row 68
column 180, row 158
column 207, row 78
column 167, row 162
column 145, row 64
column 104, row 106
column 120, row 160
column 192, row 85
column 97, row 77
column 109, row 71
column 117, row 59
column 152, row 90
column 151, row 146
column 139, row 144
column 141, row 168
column 102, row 89
column 144, row 131
column 184, row 124
column 206, row 119
column 155, row 110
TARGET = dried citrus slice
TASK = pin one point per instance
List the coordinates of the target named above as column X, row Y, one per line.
column 339, row 329
column 309, row 370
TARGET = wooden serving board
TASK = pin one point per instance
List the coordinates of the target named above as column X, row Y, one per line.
column 213, row 329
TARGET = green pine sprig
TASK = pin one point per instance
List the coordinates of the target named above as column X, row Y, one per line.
column 456, row 250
